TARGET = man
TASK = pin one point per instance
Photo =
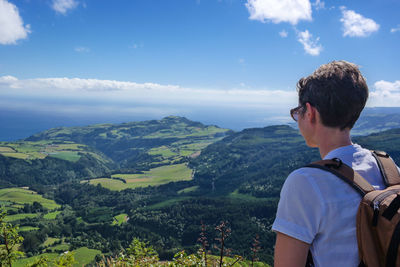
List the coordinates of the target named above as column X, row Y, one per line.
column 317, row 210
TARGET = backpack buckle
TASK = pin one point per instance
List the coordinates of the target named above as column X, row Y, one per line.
column 381, row 153
column 338, row 163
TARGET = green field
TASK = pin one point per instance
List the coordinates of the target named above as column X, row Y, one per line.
column 167, row 203
column 27, row 228
column 120, row 219
column 20, row 196
column 236, row 195
column 82, row 257
column 66, row 155
column 6, row 149
column 16, row 217
column 85, row 255
column 51, row 215
column 50, row 241
column 188, row 189
column 154, row 177
column 162, row 151
column 59, row 247
column 41, row 149
column 111, row 184
column 25, row 261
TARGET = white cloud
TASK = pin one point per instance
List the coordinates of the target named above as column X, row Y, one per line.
column 8, row 79
column 12, row 26
column 82, row 49
column 62, row 6
column 278, row 11
column 114, row 92
column 355, row 25
column 386, row 94
column 283, row 34
column 318, row 4
column 310, row 46
column 393, row 30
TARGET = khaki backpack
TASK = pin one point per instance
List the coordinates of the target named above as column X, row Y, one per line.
column 378, row 216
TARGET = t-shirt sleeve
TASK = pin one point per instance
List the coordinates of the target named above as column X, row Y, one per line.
column 300, row 208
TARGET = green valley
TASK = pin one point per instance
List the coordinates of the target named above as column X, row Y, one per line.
column 94, row 189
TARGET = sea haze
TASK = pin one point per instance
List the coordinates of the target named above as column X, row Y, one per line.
column 21, row 124
column 17, row 125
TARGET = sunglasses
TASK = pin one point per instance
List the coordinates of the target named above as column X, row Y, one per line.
column 295, row 112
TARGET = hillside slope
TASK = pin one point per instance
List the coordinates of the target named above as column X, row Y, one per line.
column 135, row 144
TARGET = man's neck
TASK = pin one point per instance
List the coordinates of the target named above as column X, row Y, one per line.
column 332, row 138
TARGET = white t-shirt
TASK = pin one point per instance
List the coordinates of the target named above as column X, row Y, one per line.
column 320, row 209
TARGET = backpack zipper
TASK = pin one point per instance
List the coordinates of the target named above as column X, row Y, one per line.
column 377, row 201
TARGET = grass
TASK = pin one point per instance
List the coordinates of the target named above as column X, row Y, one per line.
column 39, row 150
column 162, row 151
column 85, row 255
column 27, row 228
column 120, row 219
column 16, row 217
column 25, row 261
column 166, row 203
column 188, row 189
column 51, row 215
column 60, row 247
column 50, row 241
column 159, row 175
column 24, row 196
column 82, row 257
column 6, row 149
column 16, row 155
column 236, row 195
column 154, row 177
column 66, row 155
column 108, row 183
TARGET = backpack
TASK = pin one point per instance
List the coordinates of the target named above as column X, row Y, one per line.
column 378, row 215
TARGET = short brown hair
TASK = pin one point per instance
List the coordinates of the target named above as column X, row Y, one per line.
column 338, row 91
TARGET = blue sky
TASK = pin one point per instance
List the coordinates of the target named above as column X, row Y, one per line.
column 224, row 58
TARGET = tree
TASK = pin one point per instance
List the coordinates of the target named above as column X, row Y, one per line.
column 137, row 254
column 141, row 253
column 9, row 241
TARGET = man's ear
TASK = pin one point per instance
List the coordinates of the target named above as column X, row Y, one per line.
column 311, row 113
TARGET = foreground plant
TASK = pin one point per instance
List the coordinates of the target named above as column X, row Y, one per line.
column 10, row 240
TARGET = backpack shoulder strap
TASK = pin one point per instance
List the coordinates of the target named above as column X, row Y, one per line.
column 344, row 172
column 388, row 168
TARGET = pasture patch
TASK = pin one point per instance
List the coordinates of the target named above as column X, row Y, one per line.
column 66, row 155
column 112, row 184
column 158, row 176
column 16, row 217
column 166, row 203
column 85, row 255
column 154, row 177
column 6, row 149
column 24, row 196
column 59, row 247
column 120, row 219
column 29, row 150
column 27, row 228
column 16, row 155
column 26, row 261
column 51, row 215
column 188, row 189
column 50, row 241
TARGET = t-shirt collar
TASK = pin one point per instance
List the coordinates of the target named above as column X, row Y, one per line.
column 340, row 151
